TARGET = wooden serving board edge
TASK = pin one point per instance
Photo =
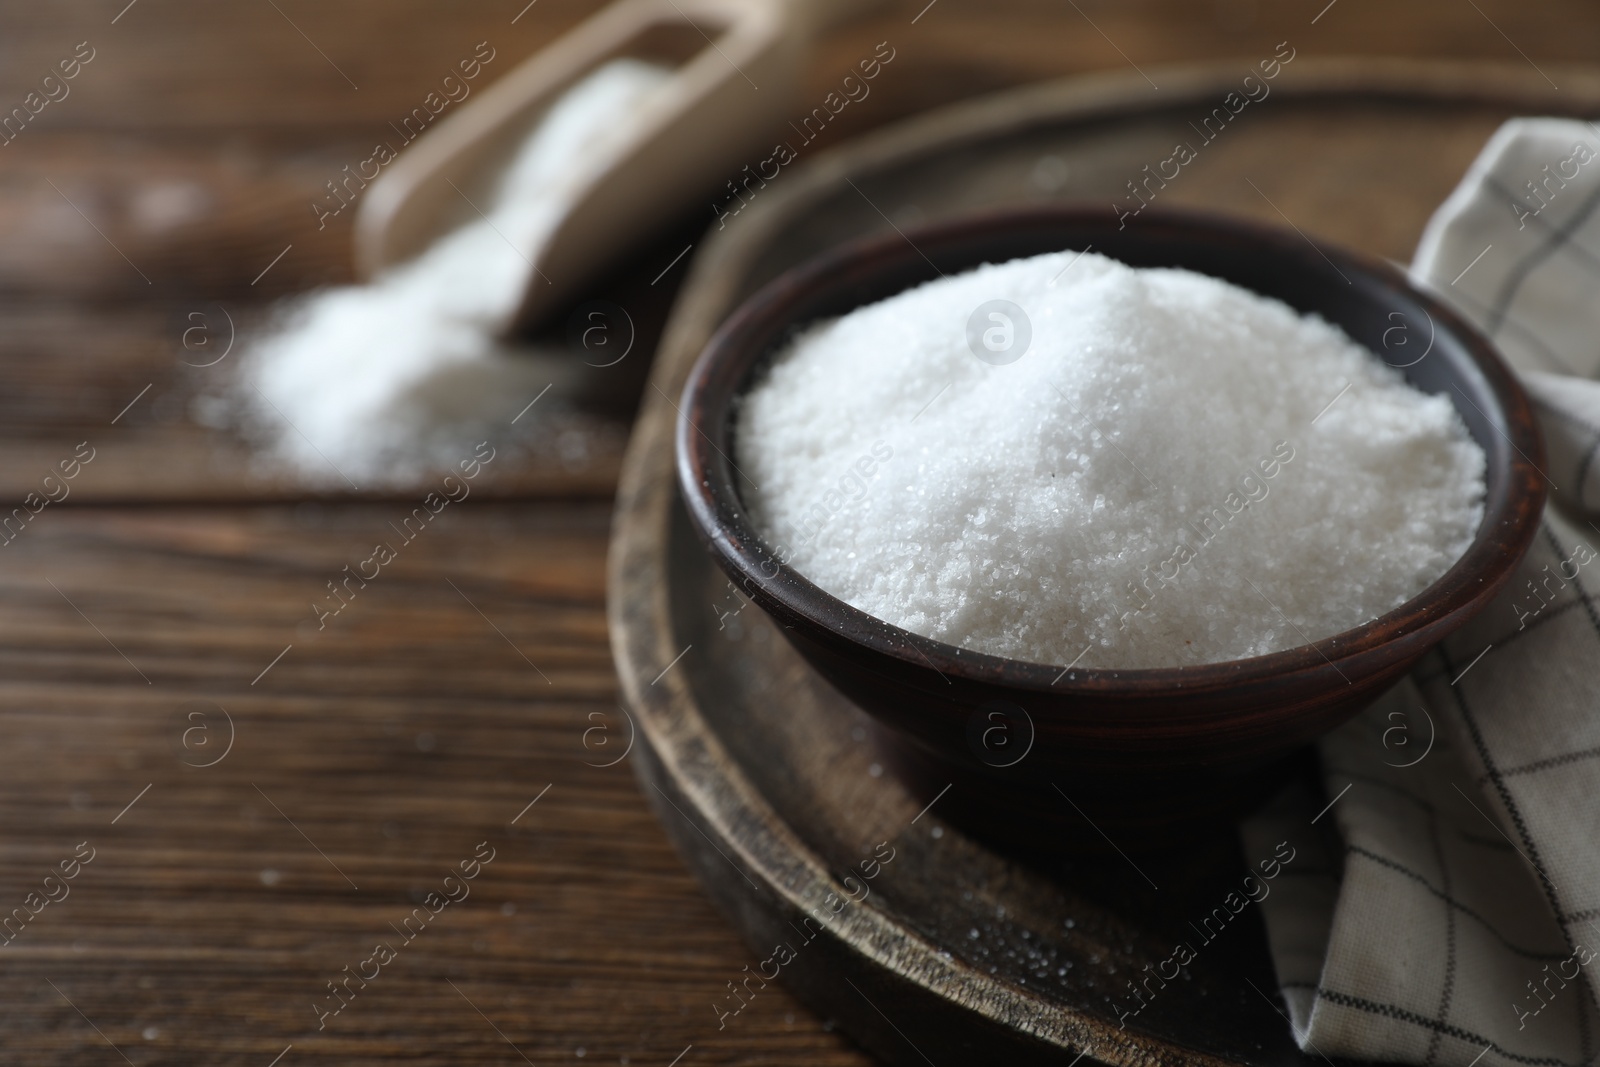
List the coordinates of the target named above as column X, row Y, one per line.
column 682, row 762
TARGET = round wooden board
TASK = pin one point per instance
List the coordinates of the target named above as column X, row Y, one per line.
column 769, row 781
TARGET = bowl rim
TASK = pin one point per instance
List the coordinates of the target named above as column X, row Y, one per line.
column 745, row 338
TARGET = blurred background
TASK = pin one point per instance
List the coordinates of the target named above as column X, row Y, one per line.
column 149, row 217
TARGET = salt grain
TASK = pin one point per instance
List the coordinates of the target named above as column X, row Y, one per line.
column 1158, row 480
column 382, row 380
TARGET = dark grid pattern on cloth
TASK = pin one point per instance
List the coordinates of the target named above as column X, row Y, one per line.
column 1469, row 888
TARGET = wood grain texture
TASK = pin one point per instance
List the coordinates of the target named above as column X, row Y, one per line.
column 396, row 739
column 409, row 730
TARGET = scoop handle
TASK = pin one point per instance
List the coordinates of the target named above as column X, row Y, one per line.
column 812, row 17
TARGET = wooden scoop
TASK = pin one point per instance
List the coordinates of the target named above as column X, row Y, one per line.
column 738, row 68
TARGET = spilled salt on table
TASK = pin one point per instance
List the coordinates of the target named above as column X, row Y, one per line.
column 378, row 382
column 1158, row 480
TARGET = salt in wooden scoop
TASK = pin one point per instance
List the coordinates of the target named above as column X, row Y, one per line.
column 738, row 68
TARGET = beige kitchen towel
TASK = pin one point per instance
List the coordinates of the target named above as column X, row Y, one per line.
column 1464, row 925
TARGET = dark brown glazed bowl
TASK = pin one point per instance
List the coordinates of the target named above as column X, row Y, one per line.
column 1135, row 753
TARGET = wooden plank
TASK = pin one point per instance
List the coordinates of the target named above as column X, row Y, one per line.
column 408, row 730
column 231, row 68
column 195, row 140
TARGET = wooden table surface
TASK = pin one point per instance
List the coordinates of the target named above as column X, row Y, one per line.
column 264, row 802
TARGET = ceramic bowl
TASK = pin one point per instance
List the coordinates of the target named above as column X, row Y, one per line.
column 1035, row 749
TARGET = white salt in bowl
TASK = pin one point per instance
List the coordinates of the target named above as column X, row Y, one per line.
column 1142, row 752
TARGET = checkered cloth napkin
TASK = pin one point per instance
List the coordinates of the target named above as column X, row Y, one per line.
column 1455, row 916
